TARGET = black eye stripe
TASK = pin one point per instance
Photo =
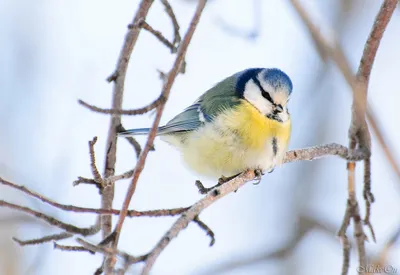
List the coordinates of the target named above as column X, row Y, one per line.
column 263, row 92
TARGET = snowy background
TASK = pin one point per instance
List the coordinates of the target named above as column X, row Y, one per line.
column 53, row 53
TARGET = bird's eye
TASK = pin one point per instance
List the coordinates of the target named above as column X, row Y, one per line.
column 266, row 96
column 263, row 92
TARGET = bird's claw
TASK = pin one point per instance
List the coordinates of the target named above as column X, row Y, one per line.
column 258, row 176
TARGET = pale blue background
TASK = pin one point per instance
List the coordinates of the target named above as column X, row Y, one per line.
column 53, row 53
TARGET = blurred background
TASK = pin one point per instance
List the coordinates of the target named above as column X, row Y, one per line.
column 56, row 52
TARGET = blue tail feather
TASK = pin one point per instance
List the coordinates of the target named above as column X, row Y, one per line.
column 134, row 132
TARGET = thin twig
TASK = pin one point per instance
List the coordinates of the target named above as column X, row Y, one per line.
column 205, row 227
column 119, row 111
column 78, row 209
column 71, row 248
column 315, row 152
column 166, row 90
column 95, row 171
column 100, row 269
column 45, row 239
column 84, row 180
column 170, row 12
column 135, row 144
column 84, row 231
column 368, row 197
column 125, row 175
column 106, row 181
column 143, row 24
column 109, row 251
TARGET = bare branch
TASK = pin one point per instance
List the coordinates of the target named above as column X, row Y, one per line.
column 84, row 180
column 109, row 251
column 45, row 239
column 371, row 46
column 205, row 228
column 125, row 175
column 72, row 248
column 50, row 220
column 368, row 196
column 166, row 90
column 170, row 12
column 358, row 131
column 118, row 77
column 77, row 209
column 132, row 141
column 319, row 151
column 143, row 24
column 95, row 171
column 118, row 111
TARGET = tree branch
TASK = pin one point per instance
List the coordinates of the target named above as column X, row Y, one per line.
column 118, row 77
column 119, row 111
column 166, row 90
column 170, row 12
column 72, row 248
column 45, row 239
column 358, row 131
column 84, row 231
column 143, row 24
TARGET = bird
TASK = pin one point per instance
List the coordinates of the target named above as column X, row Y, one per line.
column 242, row 123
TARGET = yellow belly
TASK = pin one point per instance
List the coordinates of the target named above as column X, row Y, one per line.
column 238, row 139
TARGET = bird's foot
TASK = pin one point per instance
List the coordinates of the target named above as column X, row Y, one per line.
column 258, row 176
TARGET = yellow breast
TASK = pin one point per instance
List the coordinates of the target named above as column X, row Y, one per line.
column 255, row 128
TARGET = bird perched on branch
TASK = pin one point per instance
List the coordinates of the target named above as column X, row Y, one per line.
column 241, row 123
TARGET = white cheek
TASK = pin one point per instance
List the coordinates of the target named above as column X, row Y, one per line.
column 284, row 115
column 253, row 94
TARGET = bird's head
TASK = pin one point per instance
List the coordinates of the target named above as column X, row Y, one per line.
column 268, row 90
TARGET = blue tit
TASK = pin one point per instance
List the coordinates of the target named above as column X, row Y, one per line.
column 241, row 123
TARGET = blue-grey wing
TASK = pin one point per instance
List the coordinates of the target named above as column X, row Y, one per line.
column 217, row 99
column 190, row 119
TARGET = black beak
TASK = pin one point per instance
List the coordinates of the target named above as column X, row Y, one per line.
column 278, row 109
